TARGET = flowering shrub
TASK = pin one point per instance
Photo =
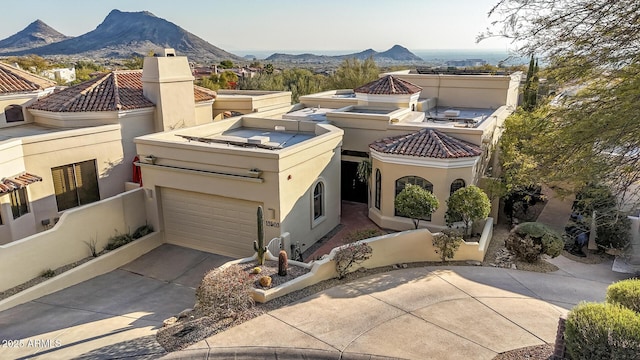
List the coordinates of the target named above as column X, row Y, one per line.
column 349, row 255
column 224, row 291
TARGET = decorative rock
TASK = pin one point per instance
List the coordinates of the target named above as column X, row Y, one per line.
column 404, row 266
column 170, row 321
column 265, row 281
column 256, row 270
column 395, row 266
column 184, row 313
column 513, row 266
column 475, row 263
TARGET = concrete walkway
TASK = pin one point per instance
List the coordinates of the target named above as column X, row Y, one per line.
column 115, row 315
column 418, row 313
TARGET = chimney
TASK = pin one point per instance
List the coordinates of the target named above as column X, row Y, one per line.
column 167, row 81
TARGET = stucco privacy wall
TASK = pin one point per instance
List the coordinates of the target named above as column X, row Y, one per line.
column 26, row 258
column 403, row 247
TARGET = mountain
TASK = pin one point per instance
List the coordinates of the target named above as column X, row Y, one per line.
column 396, row 54
column 123, row 34
column 35, row 35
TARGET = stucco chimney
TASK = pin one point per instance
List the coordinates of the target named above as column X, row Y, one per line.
column 167, row 81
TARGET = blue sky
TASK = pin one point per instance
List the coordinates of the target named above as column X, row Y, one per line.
column 242, row 25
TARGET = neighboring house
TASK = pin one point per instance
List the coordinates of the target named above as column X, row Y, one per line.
column 78, row 142
column 299, row 162
column 19, row 88
column 62, row 75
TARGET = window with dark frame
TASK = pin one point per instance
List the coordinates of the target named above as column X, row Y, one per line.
column 456, row 185
column 19, row 203
column 75, row 184
column 413, row 180
column 378, row 188
column 318, row 199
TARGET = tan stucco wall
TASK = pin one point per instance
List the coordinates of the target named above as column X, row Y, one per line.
column 27, row 258
column 325, row 99
column 16, row 99
column 441, row 178
column 480, row 91
column 249, row 101
column 168, row 83
column 40, row 153
column 287, row 177
column 204, row 112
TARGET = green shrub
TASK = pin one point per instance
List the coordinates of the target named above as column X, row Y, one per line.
column 613, row 230
column 602, row 331
column 349, row 255
column 118, row 240
column 625, row 293
column 361, row 234
column 222, row 292
column 48, row 273
column 524, row 248
column 530, row 240
column 143, row 230
column 446, row 243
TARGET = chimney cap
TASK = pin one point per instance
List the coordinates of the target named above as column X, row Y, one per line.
column 167, row 52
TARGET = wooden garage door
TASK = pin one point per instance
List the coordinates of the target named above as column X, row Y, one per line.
column 211, row 223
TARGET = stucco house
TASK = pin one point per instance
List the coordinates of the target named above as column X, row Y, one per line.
column 204, row 183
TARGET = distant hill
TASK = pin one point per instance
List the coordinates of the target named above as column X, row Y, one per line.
column 35, row 35
column 123, row 34
column 396, row 54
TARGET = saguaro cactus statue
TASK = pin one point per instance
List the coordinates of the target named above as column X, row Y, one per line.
column 258, row 246
column 283, row 263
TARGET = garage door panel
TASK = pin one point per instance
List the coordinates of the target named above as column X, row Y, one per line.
column 207, row 222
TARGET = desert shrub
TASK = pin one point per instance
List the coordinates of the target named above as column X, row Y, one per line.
column 349, row 255
column 625, row 293
column 602, row 331
column 143, row 230
column 224, row 291
column 530, row 240
column 613, row 230
column 446, row 243
column 118, row 240
column 524, row 248
column 48, row 273
column 361, row 234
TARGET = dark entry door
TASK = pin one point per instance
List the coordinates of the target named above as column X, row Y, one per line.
column 352, row 188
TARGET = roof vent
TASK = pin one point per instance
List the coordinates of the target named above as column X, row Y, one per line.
column 451, row 113
column 258, row 140
column 168, row 52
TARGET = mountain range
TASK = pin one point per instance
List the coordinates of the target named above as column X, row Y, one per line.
column 125, row 34
column 35, row 35
column 395, row 53
column 122, row 35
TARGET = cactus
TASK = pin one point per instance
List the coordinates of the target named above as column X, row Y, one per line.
column 258, row 246
column 283, row 263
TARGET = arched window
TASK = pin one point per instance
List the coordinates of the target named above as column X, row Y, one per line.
column 413, row 180
column 318, row 201
column 13, row 113
column 378, row 188
column 455, row 185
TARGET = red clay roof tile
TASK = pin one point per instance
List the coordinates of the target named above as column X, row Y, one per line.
column 426, row 143
column 14, row 80
column 117, row 90
column 17, row 182
column 388, row 85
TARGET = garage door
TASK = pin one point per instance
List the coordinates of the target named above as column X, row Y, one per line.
column 211, row 223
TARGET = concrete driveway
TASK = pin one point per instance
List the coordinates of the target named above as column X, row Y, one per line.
column 115, row 315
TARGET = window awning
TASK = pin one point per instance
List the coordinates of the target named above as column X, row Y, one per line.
column 14, row 183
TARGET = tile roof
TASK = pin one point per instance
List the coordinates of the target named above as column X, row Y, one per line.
column 426, row 143
column 388, row 85
column 203, row 94
column 17, row 182
column 13, row 80
column 117, row 90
